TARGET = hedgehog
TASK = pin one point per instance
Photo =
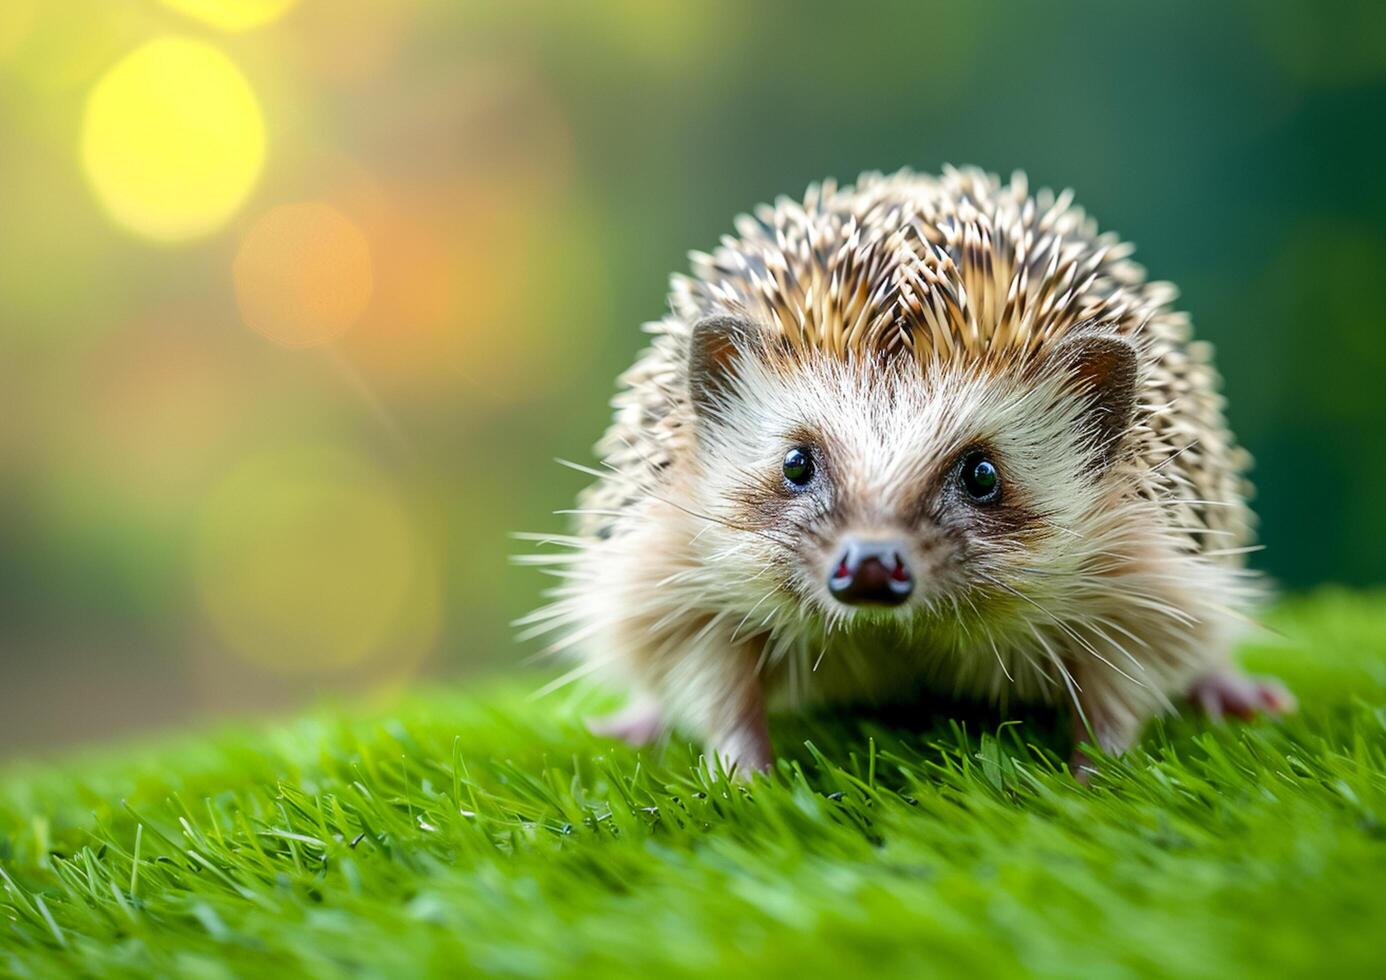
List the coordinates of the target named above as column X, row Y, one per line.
column 916, row 433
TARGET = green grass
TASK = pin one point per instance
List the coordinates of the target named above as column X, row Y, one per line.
column 482, row 831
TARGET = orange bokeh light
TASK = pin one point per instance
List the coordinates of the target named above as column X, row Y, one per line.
column 303, row 274
column 232, row 15
column 160, row 403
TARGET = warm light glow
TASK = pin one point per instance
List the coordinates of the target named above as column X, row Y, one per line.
column 16, row 22
column 335, row 47
column 232, row 15
column 308, row 561
column 159, row 402
column 173, row 140
column 303, row 275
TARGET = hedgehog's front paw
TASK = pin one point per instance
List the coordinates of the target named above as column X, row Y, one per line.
column 743, row 753
column 1224, row 692
column 637, row 724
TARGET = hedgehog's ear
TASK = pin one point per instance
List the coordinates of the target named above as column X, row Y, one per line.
column 1102, row 368
column 714, row 346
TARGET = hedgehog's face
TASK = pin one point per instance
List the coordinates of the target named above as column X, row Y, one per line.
column 879, row 487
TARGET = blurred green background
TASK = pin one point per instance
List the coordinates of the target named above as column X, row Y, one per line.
column 299, row 300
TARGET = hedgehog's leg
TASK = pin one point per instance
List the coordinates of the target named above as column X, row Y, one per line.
column 1229, row 691
column 733, row 718
column 1105, row 724
column 743, row 747
column 715, row 691
column 699, row 681
column 1110, row 710
column 688, row 669
column 716, row 697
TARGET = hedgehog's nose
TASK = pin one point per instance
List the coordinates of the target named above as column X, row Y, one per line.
column 871, row 573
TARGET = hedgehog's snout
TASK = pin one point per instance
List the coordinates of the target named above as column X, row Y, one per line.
column 870, row 572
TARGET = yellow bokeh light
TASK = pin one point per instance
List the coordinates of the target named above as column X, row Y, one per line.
column 308, row 561
column 16, row 22
column 173, row 140
column 303, row 274
column 232, row 15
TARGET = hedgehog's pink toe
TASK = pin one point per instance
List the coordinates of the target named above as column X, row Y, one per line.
column 638, row 723
column 1230, row 692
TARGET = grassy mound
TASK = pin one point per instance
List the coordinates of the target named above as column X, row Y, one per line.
column 486, row 832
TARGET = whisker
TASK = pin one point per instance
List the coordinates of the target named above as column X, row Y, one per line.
column 1068, row 630
column 999, row 662
column 1074, row 689
column 751, row 612
column 576, row 674
column 613, row 473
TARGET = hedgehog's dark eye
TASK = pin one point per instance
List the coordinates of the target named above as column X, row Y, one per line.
column 798, row 467
column 980, row 478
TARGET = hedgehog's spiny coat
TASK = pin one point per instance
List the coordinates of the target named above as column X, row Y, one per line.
column 982, row 286
column 959, row 267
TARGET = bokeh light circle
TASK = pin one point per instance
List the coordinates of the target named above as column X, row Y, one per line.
column 307, row 560
column 173, row 139
column 303, row 274
column 232, row 15
column 16, row 23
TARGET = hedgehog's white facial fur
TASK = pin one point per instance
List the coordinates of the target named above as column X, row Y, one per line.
column 887, row 435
